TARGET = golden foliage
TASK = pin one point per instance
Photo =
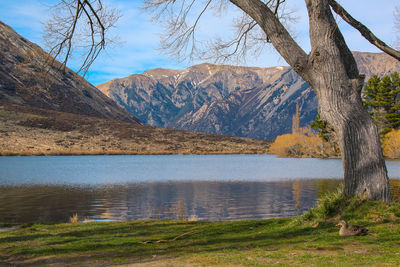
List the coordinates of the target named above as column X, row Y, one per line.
column 303, row 144
column 391, row 144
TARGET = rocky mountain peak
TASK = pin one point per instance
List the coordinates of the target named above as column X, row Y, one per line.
column 235, row 100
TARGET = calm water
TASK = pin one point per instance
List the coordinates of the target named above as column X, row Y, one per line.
column 212, row 187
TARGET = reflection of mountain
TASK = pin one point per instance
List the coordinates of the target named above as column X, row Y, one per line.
column 213, row 201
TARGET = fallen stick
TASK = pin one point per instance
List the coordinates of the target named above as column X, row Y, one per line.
column 165, row 241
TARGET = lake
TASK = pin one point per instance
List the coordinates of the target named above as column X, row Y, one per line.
column 131, row 187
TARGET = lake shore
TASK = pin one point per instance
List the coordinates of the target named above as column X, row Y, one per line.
column 274, row 242
column 124, row 152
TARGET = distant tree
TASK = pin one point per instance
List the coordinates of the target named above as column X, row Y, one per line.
column 325, row 132
column 382, row 100
column 329, row 68
column 296, row 121
column 322, row 128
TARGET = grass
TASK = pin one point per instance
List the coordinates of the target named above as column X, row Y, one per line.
column 310, row 240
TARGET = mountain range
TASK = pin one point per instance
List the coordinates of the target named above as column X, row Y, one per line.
column 223, row 99
column 46, row 109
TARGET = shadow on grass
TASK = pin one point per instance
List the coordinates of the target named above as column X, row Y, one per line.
column 127, row 239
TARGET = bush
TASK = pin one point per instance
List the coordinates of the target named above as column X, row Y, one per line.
column 391, row 144
column 304, row 144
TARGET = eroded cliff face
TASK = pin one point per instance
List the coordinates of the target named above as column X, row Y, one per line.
column 241, row 101
column 28, row 78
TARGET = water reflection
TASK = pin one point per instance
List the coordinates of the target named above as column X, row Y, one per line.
column 203, row 200
column 213, row 188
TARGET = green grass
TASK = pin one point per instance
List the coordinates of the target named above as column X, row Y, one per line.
column 309, row 240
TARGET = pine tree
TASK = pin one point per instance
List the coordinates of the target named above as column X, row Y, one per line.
column 370, row 92
column 321, row 127
column 325, row 132
column 393, row 115
column 382, row 99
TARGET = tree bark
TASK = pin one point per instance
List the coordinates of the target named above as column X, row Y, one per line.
column 331, row 70
column 335, row 78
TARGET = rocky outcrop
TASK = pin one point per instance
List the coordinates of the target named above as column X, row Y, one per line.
column 241, row 101
column 27, row 77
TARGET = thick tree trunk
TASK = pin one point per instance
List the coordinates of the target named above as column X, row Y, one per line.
column 331, row 70
column 335, row 78
column 364, row 167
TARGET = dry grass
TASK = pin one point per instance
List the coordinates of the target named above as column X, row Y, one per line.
column 74, row 218
column 31, row 131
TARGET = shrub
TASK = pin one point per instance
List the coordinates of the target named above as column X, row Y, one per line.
column 303, row 144
column 74, row 218
column 391, row 144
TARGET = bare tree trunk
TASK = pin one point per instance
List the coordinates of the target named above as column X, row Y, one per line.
column 335, row 78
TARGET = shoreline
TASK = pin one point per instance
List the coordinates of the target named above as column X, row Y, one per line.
column 122, row 153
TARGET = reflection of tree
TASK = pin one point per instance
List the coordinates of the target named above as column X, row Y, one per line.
column 395, row 188
column 296, row 185
column 325, row 186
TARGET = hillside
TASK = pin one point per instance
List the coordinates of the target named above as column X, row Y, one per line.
column 45, row 111
column 241, row 101
column 28, row 79
column 34, row 131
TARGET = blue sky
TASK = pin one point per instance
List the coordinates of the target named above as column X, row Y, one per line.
column 139, row 37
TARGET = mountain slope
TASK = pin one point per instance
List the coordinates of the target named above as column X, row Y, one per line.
column 26, row 78
column 241, row 101
column 34, row 131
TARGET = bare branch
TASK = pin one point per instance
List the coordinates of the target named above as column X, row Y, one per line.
column 363, row 30
column 181, row 19
column 179, row 40
column 276, row 32
column 67, row 31
column 248, row 38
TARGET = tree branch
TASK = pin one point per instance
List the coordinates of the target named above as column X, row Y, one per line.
column 67, row 30
column 276, row 32
column 363, row 30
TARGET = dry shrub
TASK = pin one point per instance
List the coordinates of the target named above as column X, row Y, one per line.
column 303, row 144
column 391, row 144
column 74, row 218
